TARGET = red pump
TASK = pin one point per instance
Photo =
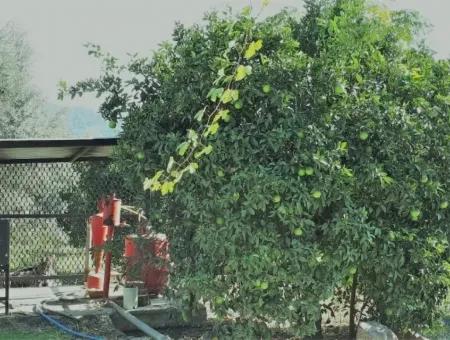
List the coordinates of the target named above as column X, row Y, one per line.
column 102, row 231
column 154, row 276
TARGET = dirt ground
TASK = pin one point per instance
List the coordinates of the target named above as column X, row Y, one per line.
column 30, row 327
column 30, row 324
column 37, row 328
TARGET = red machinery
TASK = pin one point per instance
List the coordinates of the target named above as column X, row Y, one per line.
column 139, row 251
column 102, row 231
column 149, row 253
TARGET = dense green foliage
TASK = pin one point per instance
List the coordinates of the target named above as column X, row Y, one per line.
column 22, row 113
column 326, row 182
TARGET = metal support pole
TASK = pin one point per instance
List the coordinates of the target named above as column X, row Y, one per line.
column 4, row 259
column 7, row 289
column 87, row 267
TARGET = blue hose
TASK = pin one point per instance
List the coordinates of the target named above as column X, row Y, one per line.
column 66, row 329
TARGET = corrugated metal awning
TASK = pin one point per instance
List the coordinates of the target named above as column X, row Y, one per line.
column 55, row 150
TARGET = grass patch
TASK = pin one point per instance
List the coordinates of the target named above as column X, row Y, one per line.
column 39, row 335
column 32, row 241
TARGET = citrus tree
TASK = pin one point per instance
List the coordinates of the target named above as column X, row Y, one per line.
column 296, row 164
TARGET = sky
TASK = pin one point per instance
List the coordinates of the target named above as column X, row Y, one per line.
column 58, row 29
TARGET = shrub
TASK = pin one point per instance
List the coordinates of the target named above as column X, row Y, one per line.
column 324, row 180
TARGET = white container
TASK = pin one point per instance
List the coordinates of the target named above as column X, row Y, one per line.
column 130, row 297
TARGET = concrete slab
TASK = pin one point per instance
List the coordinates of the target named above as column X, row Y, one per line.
column 23, row 300
column 71, row 302
column 160, row 313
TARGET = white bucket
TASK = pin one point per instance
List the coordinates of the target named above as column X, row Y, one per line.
column 130, row 297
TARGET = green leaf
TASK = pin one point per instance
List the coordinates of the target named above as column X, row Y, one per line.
column 215, row 93
column 346, row 172
column 246, row 11
column 182, row 148
column 258, row 44
column 250, row 52
column 192, row 167
column 170, row 164
column 205, row 151
column 157, row 175
column 342, row 146
column 167, row 188
column 230, row 96
column 193, row 137
column 253, row 47
column 153, row 183
column 225, row 115
column 177, row 175
column 340, row 89
column 212, row 130
column 242, row 72
column 199, row 115
column 222, row 114
column 385, row 179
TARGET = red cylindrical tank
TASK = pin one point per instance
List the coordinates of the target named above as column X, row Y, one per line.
column 155, row 278
column 95, row 280
column 130, row 246
column 154, row 274
column 99, row 233
column 98, row 230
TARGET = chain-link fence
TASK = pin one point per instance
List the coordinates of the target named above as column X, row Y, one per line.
column 47, row 205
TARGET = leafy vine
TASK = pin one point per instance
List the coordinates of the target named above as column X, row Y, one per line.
column 195, row 146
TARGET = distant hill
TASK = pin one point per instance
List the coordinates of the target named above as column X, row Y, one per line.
column 87, row 123
column 78, row 122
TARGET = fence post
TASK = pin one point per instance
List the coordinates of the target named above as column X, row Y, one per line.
column 86, row 251
column 4, row 259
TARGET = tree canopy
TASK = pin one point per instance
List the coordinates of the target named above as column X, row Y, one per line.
column 23, row 112
column 306, row 161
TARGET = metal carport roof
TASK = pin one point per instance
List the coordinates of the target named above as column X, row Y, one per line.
column 55, row 150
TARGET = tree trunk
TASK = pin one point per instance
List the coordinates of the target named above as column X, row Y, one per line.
column 319, row 334
column 352, row 314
